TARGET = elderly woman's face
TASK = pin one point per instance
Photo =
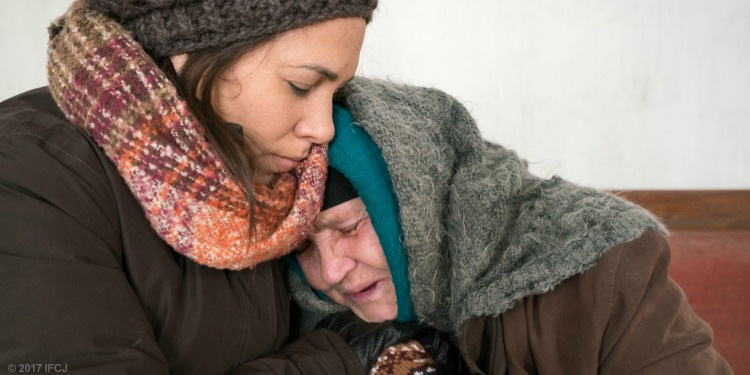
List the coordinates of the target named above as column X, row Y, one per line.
column 345, row 261
column 282, row 92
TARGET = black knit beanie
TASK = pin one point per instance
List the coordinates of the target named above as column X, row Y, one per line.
column 169, row 27
column 338, row 189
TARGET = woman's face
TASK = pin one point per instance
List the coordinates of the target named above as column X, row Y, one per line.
column 282, row 92
column 345, row 261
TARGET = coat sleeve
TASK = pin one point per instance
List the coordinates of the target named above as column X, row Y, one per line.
column 624, row 315
column 316, row 352
column 64, row 296
column 651, row 328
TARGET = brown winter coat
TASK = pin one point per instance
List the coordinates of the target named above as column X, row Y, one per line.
column 603, row 321
column 87, row 283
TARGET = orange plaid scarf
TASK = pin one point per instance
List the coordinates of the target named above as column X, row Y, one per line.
column 107, row 85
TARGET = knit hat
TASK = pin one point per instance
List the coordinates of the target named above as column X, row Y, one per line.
column 353, row 153
column 169, row 27
column 338, row 189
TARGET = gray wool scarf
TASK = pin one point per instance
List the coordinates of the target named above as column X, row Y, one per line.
column 480, row 231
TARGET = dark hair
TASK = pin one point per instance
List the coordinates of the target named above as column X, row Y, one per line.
column 195, row 82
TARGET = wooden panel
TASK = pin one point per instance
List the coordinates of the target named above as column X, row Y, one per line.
column 713, row 268
column 710, row 242
column 696, row 209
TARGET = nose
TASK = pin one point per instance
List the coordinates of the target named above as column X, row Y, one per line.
column 317, row 122
column 334, row 263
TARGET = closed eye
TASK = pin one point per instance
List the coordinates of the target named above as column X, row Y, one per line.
column 298, row 91
column 352, row 230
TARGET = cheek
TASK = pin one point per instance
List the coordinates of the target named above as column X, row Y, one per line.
column 233, row 103
column 257, row 102
column 311, row 269
column 371, row 250
column 271, row 120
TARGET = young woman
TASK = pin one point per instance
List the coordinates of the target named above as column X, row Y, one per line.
column 147, row 195
column 429, row 222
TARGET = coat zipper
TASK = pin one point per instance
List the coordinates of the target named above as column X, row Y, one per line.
column 242, row 300
column 272, row 309
column 240, row 292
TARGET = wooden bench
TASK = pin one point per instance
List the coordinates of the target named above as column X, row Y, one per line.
column 710, row 243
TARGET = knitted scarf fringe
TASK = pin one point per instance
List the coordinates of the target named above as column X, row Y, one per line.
column 107, row 85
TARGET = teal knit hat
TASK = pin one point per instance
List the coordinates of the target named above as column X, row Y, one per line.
column 353, row 153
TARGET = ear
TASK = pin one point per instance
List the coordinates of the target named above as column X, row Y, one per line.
column 178, row 61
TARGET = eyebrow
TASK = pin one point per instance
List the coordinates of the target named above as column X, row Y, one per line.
column 336, row 221
column 322, row 224
column 331, row 76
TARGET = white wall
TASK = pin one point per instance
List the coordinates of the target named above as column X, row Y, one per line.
column 613, row 94
column 23, row 43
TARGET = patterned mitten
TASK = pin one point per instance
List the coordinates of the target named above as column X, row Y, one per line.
column 408, row 358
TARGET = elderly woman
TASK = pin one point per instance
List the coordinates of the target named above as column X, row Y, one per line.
column 429, row 222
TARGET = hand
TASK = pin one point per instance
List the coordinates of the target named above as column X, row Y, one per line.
column 448, row 359
column 367, row 340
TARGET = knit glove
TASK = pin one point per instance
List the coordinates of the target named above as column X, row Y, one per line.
column 407, row 358
column 368, row 340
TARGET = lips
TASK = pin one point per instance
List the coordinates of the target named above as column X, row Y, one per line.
column 364, row 292
column 365, row 289
column 284, row 164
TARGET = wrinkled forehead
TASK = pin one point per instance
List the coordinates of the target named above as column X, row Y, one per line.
column 341, row 215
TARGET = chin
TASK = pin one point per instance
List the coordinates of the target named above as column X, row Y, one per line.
column 378, row 315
